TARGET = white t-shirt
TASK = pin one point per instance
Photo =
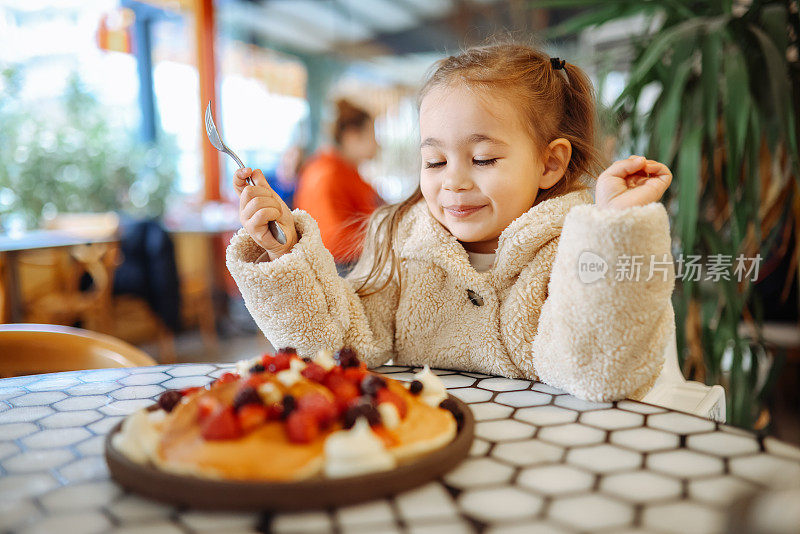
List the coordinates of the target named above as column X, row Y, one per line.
column 481, row 261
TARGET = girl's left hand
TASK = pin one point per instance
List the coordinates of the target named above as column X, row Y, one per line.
column 635, row 181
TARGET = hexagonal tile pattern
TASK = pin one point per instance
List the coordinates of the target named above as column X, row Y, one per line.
column 528, row 452
column 556, row 479
column 546, row 415
column 500, row 504
column 685, row 464
column 542, row 462
column 645, row 439
column 591, row 512
column 612, row 419
column 571, row 435
column 503, row 430
column 722, row 444
column 641, row 486
column 604, row 458
column 679, row 423
column 523, row 398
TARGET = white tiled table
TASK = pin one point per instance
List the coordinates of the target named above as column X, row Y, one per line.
column 542, row 461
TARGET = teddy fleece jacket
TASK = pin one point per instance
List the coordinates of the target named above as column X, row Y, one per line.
column 579, row 297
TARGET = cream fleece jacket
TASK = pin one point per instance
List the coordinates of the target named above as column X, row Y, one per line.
column 529, row 316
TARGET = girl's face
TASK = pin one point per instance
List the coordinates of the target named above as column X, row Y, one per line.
column 480, row 167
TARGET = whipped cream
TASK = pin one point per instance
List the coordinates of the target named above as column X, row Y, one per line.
column 356, row 451
column 324, row 359
column 433, row 390
column 243, row 366
column 138, row 438
column 390, row 417
column 289, row 377
column 269, row 393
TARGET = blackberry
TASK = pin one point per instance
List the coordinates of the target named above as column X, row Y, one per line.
column 288, row 350
column 451, row 406
column 246, row 395
column 361, row 407
column 415, row 387
column 289, row 405
column 347, row 358
column 371, row 384
column 306, row 359
column 169, row 399
column 257, row 368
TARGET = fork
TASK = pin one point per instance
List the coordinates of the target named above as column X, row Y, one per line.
column 216, row 141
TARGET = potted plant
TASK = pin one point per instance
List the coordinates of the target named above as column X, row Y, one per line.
column 725, row 121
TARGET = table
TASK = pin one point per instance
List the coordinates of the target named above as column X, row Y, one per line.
column 542, row 461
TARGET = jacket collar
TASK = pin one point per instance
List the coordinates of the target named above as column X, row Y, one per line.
column 428, row 240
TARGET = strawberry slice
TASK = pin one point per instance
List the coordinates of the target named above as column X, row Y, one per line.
column 324, row 410
column 301, row 427
column 280, row 362
column 252, row 416
column 266, row 360
column 355, row 374
column 206, row 406
column 344, row 391
column 314, row 372
column 221, row 425
column 227, row 377
column 386, row 395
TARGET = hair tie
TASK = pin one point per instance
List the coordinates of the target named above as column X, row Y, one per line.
column 557, row 63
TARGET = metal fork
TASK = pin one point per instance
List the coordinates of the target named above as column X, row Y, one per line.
column 216, row 141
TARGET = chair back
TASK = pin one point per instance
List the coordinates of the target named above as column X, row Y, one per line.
column 41, row 348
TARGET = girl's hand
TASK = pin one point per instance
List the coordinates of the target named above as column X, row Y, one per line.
column 635, row 181
column 258, row 205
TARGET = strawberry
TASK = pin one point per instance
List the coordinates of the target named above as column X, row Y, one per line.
column 189, row 391
column 301, row 427
column 314, row 372
column 252, row 416
column 319, row 406
column 256, row 380
column 227, row 377
column 222, row 424
column 274, row 411
column 280, row 362
column 206, row 406
column 344, row 392
column 355, row 374
column 386, row 395
column 266, row 360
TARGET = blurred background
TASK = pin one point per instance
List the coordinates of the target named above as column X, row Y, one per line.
column 115, row 210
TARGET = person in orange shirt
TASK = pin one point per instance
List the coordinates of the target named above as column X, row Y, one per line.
column 331, row 190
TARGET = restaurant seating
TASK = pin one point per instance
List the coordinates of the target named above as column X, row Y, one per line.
column 673, row 391
column 43, row 348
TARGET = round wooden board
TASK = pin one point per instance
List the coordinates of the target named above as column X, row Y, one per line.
column 203, row 493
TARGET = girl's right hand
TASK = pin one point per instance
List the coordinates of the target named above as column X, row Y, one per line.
column 258, row 205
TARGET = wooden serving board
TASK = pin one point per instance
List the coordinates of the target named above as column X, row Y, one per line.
column 320, row 492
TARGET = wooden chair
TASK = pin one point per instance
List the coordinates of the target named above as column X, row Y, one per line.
column 193, row 256
column 126, row 316
column 41, row 348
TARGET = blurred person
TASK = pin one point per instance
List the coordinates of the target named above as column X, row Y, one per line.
column 332, row 191
column 283, row 179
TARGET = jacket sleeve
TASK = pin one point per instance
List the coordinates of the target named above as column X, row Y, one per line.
column 299, row 300
column 605, row 323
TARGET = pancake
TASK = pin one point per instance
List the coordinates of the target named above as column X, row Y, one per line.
column 248, row 427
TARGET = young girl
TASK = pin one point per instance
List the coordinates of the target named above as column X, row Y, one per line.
column 500, row 262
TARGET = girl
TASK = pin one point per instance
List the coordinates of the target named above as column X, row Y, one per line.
column 501, row 262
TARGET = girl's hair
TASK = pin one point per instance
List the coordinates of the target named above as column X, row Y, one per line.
column 552, row 104
column 348, row 116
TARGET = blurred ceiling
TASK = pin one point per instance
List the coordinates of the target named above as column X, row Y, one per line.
column 362, row 29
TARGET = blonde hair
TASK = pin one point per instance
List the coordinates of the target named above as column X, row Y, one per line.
column 552, row 104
